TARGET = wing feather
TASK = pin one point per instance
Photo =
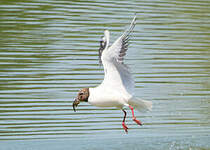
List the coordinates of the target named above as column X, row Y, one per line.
column 117, row 73
column 120, row 46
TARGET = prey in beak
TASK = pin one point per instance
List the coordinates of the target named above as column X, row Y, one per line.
column 75, row 104
column 81, row 97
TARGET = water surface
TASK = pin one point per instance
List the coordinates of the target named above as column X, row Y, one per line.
column 49, row 50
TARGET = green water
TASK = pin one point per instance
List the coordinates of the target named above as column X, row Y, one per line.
column 49, row 50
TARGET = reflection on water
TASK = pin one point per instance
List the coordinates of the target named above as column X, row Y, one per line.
column 49, row 51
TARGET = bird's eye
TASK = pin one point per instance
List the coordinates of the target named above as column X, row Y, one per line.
column 81, row 93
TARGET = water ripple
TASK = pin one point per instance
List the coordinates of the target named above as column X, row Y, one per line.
column 49, row 50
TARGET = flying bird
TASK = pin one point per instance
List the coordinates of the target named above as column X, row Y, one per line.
column 117, row 88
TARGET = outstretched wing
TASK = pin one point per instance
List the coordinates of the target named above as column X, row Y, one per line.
column 116, row 73
column 120, row 46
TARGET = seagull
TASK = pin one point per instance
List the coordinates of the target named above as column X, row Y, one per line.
column 117, row 88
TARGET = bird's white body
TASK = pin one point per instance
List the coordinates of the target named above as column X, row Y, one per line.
column 107, row 98
column 117, row 88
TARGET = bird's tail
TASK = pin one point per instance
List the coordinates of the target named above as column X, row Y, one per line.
column 140, row 105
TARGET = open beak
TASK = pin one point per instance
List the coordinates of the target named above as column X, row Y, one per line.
column 75, row 104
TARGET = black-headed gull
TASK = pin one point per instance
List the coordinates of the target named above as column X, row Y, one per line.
column 117, row 88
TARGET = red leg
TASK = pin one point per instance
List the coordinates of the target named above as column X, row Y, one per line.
column 123, row 122
column 134, row 118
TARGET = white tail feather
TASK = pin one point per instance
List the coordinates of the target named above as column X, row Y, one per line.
column 140, row 105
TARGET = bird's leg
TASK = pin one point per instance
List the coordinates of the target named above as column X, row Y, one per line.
column 134, row 118
column 123, row 122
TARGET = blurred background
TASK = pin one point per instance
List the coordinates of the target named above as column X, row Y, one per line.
column 49, row 50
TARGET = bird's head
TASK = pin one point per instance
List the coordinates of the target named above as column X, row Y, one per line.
column 81, row 97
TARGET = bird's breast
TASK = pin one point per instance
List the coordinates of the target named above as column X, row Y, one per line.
column 107, row 98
